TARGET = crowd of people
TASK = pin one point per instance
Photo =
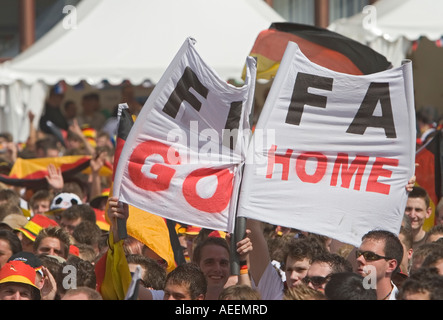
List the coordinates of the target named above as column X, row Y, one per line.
column 54, row 235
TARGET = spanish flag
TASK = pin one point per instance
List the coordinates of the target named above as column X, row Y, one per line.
column 321, row 46
column 428, row 173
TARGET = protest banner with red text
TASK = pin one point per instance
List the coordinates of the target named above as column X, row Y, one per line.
column 332, row 152
column 182, row 159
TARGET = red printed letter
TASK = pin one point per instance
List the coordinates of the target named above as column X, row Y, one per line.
column 283, row 160
column 378, row 171
column 222, row 195
column 163, row 173
column 300, row 167
column 357, row 167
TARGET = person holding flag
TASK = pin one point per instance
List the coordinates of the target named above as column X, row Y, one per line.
column 212, row 254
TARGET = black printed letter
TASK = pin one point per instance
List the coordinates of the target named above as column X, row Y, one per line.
column 365, row 118
column 181, row 93
column 300, row 95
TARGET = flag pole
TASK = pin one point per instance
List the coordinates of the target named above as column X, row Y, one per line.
column 239, row 233
column 240, row 223
column 121, row 224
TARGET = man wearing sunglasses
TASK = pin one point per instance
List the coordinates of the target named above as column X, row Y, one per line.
column 322, row 267
column 381, row 252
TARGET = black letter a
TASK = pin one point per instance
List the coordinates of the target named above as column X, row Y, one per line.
column 365, row 118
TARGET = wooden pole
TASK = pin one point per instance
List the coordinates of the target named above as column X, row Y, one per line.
column 27, row 23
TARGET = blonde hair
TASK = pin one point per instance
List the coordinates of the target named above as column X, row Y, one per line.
column 303, row 292
column 239, row 292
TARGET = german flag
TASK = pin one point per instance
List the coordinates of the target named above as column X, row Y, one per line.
column 321, row 46
column 428, row 173
column 31, row 173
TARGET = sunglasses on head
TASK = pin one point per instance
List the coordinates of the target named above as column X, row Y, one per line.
column 370, row 256
column 316, row 281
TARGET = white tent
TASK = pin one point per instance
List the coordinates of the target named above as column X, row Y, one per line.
column 134, row 40
column 389, row 26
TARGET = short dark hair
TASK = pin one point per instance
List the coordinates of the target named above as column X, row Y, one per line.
column 419, row 192
column 437, row 229
column 154, row 276
column 393, row 247
column 337, row 262
column 14, row 242
column 348, row 286
column 423, row 280
column 83, row 211
column 189, row 274
column 301, row 248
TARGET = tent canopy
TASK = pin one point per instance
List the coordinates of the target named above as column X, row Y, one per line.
column 389, row 26
column 133, row 40
column 137, row 39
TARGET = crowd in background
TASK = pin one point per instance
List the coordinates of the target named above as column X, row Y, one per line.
column 66, row 224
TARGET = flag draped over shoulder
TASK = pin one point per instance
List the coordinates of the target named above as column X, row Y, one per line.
column 332, row 153
column 321, row 46
column 429, row 172
column 183, row 157
column 32, row 172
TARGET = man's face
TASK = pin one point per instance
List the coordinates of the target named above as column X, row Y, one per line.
column 15, row 291
column 176, row 292
column 214, row 264
column 5, row 252
column 41, row 206
column 69, row 225
column 51, row 246
column 417, row 211
column 296, row 270
column 318, row 274
column 365, row 267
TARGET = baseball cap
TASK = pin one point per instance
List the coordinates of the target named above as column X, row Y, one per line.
column 29, row 258
column 19, row 272
column 37, row 223
column 14, row 221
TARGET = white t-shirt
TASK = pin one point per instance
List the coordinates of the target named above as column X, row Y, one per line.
column 270, row 285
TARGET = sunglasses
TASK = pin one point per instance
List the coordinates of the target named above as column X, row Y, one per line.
column 316, row 281
column 370, row 256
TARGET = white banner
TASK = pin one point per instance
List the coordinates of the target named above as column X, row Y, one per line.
column 183, row 157
column 332, row 153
